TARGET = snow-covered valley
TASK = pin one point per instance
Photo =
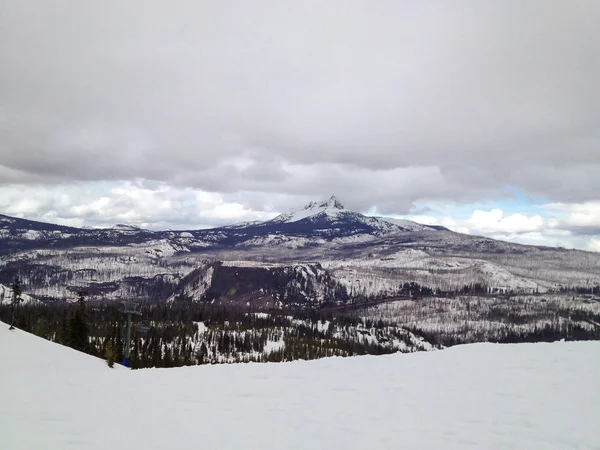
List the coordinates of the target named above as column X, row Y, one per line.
column 524, row 396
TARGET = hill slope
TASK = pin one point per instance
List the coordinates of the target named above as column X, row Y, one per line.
column 525, row 396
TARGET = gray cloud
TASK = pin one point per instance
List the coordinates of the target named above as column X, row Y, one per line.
column 383, row 104
column 584, row 231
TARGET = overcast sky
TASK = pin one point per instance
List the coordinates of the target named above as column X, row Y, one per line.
column 483, row 116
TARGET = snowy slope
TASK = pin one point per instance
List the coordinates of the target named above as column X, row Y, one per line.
column 408, row 225
column 484, row 396
column 381, row 274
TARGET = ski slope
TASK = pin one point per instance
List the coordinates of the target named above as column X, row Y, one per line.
column 484, row 396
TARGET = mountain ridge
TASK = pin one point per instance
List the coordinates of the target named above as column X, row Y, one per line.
column 321, row 254
column 326, row 220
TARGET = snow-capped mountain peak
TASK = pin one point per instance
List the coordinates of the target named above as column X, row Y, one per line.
column 331, row 204
column 330, row 207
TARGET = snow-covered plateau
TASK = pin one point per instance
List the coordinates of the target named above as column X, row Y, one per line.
column 484, row 396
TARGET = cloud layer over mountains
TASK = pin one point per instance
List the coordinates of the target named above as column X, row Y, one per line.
column 198, row 113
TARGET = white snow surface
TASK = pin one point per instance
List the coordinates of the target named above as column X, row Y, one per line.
column 484, row 396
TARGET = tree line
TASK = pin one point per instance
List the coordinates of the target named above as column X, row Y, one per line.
column 184, row 332
column 190, row 333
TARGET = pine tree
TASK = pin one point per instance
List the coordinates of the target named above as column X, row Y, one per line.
column 41, row 328
column 62, row 334
column 16, row 299
column 79, row 330
column 168, row 358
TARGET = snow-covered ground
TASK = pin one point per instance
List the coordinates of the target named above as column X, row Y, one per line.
column 484, row 396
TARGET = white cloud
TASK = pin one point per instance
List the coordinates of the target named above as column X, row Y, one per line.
column 157, row 205
column 228, row 212
column 494, row 221
column 22, row 206
column 150, row 205
column 445, row 221
column 585, row 214
column 529, row 230
column 594, row 245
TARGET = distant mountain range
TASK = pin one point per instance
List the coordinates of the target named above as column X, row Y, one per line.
column 321, row 253
column 315, row 223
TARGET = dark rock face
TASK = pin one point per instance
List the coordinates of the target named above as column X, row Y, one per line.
column 299, row 284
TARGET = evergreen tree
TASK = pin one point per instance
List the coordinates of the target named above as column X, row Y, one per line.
column 79, row 329
column 41, row 328
column 16, row 299
column 168, row 358
column 62, row 334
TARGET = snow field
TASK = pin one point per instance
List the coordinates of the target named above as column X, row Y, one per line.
column 526, row 396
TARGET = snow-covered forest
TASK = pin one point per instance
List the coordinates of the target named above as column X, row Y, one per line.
column 313, row 283
column 190, row 333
